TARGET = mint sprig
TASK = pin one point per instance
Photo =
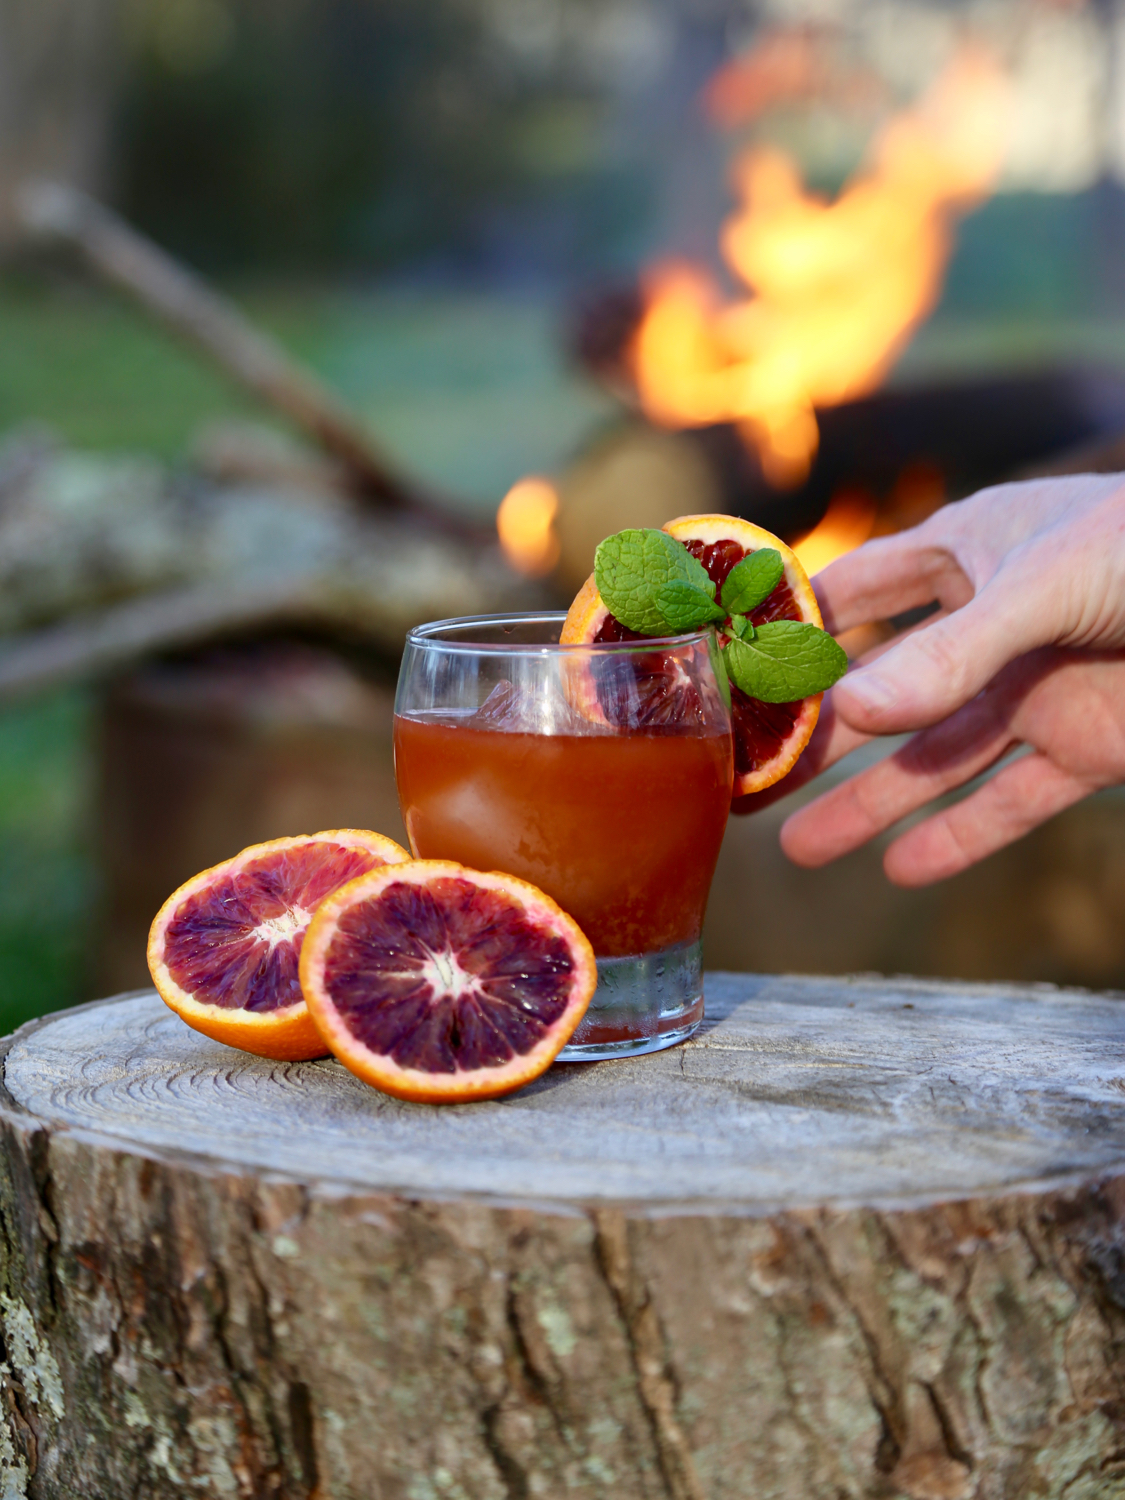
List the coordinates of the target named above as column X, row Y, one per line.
column 751, row 581
column 784, row 660
column 652, row 584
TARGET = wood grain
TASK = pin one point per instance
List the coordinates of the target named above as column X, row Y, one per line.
column 798, row 1091
column 860, row 1238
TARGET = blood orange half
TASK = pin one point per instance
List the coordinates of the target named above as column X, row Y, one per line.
column 441, row 984
column 768, row 737
column 223, row 949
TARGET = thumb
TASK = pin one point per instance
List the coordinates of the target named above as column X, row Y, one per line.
column 936, row 669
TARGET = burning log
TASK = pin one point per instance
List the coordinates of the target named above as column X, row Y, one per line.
column 770, row 391
column 838, row 288
column 894, row 456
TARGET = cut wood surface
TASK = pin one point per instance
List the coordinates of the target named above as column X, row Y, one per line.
column 859, row 1238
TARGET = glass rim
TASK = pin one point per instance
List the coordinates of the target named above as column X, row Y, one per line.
column 428, row 637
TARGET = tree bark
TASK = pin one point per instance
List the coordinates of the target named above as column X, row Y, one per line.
column 60, row 71
column 859, row 1238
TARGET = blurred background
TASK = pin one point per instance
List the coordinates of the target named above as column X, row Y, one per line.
column 826, row 263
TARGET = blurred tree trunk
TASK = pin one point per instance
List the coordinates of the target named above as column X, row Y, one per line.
column 59, row 69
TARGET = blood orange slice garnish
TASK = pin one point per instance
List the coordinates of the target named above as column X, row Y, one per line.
column 441, row 984
column 648, row 691
column 223, row 949
column 768, row 737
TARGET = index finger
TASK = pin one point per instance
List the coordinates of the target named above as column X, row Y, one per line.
column 885, row 578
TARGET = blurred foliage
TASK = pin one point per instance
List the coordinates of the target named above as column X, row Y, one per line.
column 304, row 133
column 46, row 878
column 90, row 367
column 468, row 391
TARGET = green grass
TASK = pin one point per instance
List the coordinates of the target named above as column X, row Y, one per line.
column 95, row 369
column 46, row 876
column 467, row 393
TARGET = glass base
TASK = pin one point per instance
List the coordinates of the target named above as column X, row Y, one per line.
column 642, row 1004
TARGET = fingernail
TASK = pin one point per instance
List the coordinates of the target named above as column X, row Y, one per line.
column 870, row 690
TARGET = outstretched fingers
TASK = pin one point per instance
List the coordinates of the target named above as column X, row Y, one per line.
column 935, row 670
column 885, row 578
column 933, row 763
column 831, row 740
column 1013, row 802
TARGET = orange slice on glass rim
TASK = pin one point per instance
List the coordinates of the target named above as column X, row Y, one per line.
column 441, row 984
column 768, row 737
column 223, row 949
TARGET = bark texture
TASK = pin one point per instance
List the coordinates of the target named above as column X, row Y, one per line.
column 179, row 1320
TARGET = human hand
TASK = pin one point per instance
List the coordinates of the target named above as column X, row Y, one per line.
column 1017, row 571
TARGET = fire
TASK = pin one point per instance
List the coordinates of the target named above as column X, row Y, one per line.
column 526, row 526
column 839, row 287
column 846, row 525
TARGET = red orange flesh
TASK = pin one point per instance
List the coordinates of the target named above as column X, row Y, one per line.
column 441, row 984
column 223, row 949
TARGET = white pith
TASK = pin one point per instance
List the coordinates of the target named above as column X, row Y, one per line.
column 446, row 978
column 282, row 929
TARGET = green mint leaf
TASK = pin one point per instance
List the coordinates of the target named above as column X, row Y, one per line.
column 633, row 567
column 740, row 626
column 684, row 607
column 786, row 660
column 696, row 573
column 752, row 581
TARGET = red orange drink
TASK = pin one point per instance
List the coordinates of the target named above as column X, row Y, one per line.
column 601, row 773
column 622, row 831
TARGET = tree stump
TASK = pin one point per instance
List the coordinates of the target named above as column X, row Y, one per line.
column 200, row 756
column 859, row 1238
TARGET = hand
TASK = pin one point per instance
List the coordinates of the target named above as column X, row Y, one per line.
column 1018, row 572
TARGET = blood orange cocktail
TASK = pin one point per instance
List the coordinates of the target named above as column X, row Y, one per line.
column 622, row 832
column 601, row 774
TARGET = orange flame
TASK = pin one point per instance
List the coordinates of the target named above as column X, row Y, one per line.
column 846, row 524
column 839, row 286
column 526, row 526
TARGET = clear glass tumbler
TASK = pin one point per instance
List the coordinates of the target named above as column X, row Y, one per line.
column 600, row 773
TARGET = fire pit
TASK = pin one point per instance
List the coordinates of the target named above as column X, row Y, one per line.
column 909, row 450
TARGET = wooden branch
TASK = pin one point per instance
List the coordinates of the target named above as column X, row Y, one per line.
column 859, row 1238
column 93, row 645
column 185, row 303
column 81, row 600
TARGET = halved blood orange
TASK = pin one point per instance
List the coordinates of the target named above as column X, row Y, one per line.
column 768, row 737
column 223, row 948
column 441, row 984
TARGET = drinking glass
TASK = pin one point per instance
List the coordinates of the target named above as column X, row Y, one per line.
column 600, row 773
